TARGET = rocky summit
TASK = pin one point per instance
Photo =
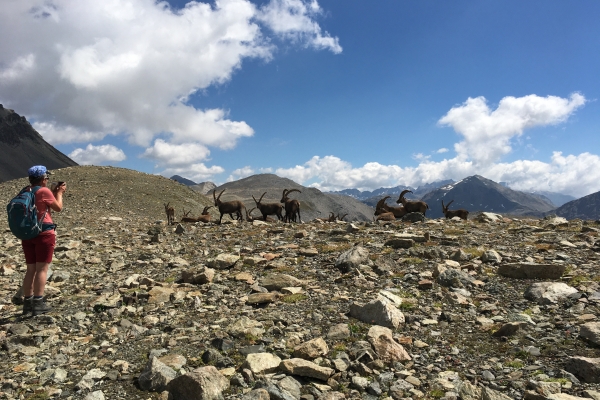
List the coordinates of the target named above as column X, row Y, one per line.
column 489, row 308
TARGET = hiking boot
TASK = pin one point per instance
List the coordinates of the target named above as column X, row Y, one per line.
column 39, row 306
column 27, row 306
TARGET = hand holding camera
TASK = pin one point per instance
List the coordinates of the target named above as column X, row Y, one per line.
column 57, row 187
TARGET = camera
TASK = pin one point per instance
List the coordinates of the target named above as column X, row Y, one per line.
column 56, row 185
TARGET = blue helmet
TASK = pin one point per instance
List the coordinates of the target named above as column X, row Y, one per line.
column 38, row 171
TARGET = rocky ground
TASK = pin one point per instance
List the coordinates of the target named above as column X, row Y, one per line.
column 490, row 308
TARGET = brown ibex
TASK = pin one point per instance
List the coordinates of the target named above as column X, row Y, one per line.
column 386, row 216
column 268, row 208
column 412, row 206
column 292, row 206
column 382, row 208
column 170, row 211
column 342, row 217
column 462, row 214
column 204, row 217
column 251, row 218
column 228, row 207
column 185, row 217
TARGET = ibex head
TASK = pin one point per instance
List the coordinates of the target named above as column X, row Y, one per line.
column 259, row 200
column 381, row 203
column 402, row 195
column 205, row 211
column 217, row 198
column 445, row 207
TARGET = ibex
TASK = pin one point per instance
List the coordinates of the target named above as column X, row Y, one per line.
column 463, row 214
column 292, row 206
column 251, row 218
column 382, row 208
column 204, row 217
column 170, row 214
column 386, row 216
column 338, row 218
column 268, row 208
column 185, row 217
column 228, row 207
column 412, row 206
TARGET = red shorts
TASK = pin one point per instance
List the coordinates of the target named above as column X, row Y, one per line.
column 40, row 248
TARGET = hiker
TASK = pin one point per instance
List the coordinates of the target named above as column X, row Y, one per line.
column 39, row 250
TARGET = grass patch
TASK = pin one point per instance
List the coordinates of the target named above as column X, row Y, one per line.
column 39, row 396
column 407, row 306
column 171, row 278
column 413, row 260
column 474, row 252
column 579, row 279
column 437, row 394
column 528, row 311
column 294, row 298
column 544, row 246
column 517, row 364
column 453, row 232
column 332, row 248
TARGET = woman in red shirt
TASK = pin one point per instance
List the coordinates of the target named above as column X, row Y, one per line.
column 39, row 250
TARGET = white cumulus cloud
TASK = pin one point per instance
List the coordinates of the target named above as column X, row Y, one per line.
column 196, row 172
column 487, row 133
column 176, row 154
column 84, row 69
column 97, row 155
column 293, row 19
column 241, row 173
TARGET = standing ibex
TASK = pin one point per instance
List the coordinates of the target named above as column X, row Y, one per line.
column 228, row 207
column 292, row 206
column 269, row 208
column 412, row 206
column 382, row 208
column 170, row 214
column 462, row 214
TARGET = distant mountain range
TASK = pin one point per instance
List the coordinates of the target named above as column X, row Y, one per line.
column 587, row 207
column 203, row 187
column 372, row 197
column 477, row 193
column 21, row 147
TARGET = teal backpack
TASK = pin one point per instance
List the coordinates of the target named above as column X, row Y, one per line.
column 22, row 214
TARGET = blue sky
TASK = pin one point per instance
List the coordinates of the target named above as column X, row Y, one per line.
column 333, row 94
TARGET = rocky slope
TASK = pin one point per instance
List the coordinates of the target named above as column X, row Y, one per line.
column 587, row 207
column 489, row 308
column 22, row 146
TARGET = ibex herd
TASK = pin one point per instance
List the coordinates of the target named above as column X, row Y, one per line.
column 388, row 213
column 383, row 212
column 291, row 206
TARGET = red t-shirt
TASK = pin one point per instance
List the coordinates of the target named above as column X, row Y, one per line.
column 43, row 199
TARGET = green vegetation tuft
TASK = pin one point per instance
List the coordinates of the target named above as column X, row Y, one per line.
column 294, row 298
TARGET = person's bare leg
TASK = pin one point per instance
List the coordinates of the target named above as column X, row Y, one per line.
column 30, row 276
column 39, row 281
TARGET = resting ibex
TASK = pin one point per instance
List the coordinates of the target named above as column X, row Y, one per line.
column 228, row 207
column 342, row 217
column 412, row 206
column 204, row 217
column 292, row 206
column 185, row 217
column 382, row 208
column 268, row 208
column 463, row 214
column 170, row 214
column 386, row 216
column 251, row 218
